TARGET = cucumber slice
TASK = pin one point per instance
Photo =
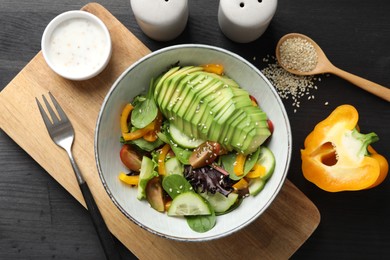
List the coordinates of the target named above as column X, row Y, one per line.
column 267, row 159
column 147, row 173
column 174, row 166
column 255, row 186
column 189, row 204
column 219, row 202
column 183, row 140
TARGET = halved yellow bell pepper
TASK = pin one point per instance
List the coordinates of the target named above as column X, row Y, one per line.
column 335, row 157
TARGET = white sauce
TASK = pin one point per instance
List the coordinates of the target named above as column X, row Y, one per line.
column 78, row 47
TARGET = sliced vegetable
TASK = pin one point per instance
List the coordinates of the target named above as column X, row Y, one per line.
column 183, row 140
column 147, row 173
column 130, row 158
column 219, row 202
column 213, row 68
column 335, row 157
column 138, row 133
column 125, row 116
column 258, row 171
column 145, row 145
column 155, row 195
column 175, row 185
column 239, row 164
column 152, row 135
column 205, row 154
column 229, row 163
column 241, row 184
column 267, row 160
column 129, row 179
column 255, row 186
column 181, row 153
column 189, row 204
column 174, row 166
column 161, row 159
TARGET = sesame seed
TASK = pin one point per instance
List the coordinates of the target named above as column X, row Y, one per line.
column 298, row 54
column 290, row 86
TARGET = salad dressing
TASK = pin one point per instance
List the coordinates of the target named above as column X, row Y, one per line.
column 78, row 46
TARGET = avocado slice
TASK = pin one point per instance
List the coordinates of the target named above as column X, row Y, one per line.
column 211, row 107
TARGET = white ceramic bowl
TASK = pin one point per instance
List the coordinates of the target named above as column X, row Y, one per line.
column 136, row 80
column 76, row 45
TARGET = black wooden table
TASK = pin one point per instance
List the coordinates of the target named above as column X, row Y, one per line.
column 40, row 220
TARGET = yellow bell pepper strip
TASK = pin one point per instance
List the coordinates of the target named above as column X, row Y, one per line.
column 213, row 68
column 335, row 157
column 241, row 184
column 239, row 164
column 258, row 171
column 152, row 135
column 131, row 180
column 161, row 159
column 138, row 133
column 167, row 204
column 124, row 117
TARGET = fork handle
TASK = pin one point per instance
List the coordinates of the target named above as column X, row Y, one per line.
column 104, row 234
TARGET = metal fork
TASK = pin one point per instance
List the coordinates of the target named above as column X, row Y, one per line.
column 61, row 131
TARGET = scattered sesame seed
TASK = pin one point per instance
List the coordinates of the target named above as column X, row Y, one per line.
column 290, row 86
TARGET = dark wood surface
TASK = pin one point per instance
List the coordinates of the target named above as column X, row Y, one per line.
column 40, row 220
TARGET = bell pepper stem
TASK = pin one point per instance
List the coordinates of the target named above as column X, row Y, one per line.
column 365, row 139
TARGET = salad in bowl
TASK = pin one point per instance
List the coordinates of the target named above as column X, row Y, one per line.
column 190, row 152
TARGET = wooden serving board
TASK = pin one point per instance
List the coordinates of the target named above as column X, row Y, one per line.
column 277, row 234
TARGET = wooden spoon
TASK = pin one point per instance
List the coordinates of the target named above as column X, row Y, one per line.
column 325, row 66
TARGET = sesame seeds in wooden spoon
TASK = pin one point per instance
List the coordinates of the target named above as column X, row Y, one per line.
column 298, row 54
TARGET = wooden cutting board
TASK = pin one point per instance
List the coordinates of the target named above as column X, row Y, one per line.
column 277, row 234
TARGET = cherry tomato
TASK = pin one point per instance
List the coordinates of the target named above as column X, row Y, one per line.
column 155, row 194
column 130, row 158
column 205, row 154
column 254, row 101
column 270, row 126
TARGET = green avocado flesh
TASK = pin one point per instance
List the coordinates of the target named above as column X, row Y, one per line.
column 207, row 106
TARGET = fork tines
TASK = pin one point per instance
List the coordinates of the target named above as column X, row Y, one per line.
column 54, row 118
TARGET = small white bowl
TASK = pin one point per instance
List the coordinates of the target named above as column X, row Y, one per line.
column 134, row 81
column 76, row 45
